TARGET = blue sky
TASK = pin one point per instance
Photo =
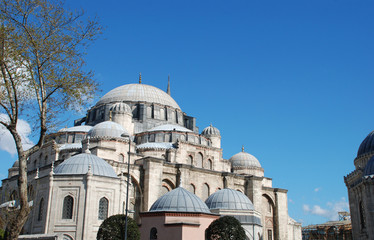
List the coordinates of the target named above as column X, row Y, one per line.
column 292, row 81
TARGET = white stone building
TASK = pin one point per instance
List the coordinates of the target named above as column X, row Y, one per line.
column 78, row 178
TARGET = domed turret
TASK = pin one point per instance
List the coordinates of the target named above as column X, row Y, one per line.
column 211, row 131
column 80, row 164
column 13, row 171
column 229, row 199
column 245, row 163
column 121, row 113
column 367, row 146
column 213, row 134
column 179, row 200
column 107, row 129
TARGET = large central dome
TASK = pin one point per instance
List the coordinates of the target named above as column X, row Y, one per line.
column 138, row 93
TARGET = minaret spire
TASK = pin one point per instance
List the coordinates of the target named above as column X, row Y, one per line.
column 140, row 78
column 168, row 89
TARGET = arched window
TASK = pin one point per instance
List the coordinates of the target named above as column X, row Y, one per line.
column 67, row 209
column 121, row 158
column 153, row 233
column 103, row 208
column 209, row 164
column 30, row 192
column 362, row 215
column 190, row 160
column 41, row 209
column 67, row 237
column 191, row 188
column 14, row 195
column 164, row 190
column 199, row 160
column 205, row 192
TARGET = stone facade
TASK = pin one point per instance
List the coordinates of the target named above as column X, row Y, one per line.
column 360, row 185
column 166, row 149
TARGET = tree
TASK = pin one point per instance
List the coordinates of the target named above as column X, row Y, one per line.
column 113, row 228
column 225, row 228
column 42, row 49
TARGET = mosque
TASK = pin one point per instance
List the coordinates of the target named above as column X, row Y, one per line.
column 179, row 180
column 360, row 185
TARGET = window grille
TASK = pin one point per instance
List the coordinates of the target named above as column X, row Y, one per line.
column 67, row 210
column 103, row 208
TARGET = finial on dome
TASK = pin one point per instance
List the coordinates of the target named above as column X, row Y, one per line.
column 88, row 145
column 140, row 78
column 168, row 89
column 110, row 115
column 242, row 148
column 180, row 182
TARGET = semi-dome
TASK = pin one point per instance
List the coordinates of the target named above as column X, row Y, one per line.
column 369, row 169
column 367, row 145
column 179, row 200
column 79, row 164
column 120, row 108
column 169, row 127
column 107, row 129
column 83, row 128
column 245, row 160
column 229, row 199
column 210, row 131
column 138, row 93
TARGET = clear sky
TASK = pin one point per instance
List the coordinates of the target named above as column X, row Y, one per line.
column 292, row 81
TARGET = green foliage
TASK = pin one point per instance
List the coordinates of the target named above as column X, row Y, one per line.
column 2, row 232
column 113, row 228
column 225, row 228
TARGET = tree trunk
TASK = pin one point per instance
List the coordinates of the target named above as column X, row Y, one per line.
column 14, row 227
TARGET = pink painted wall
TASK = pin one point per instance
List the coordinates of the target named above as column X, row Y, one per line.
column 178, row 231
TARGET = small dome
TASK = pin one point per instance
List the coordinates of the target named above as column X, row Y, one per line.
column 245, row 160
column 120, row 108
column 367, row 145
column 369, row 169
column 138, row 93
column 107, row 129
column 80, row 163
column 83, row 128
column 229, row 199
column 15, row 164
column 211, row 131
column 169, row 127
column 179, row 200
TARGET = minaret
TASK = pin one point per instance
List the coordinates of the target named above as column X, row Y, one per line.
column 168, row 89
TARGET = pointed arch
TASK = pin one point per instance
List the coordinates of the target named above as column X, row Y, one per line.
column 41, row 210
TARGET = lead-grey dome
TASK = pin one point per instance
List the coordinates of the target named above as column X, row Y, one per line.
column 80, row 163
column 120, row 108
column 138, row 93
column 210, row 131
column 83, row 128
column 369, row 169
column 367, row 145
column 244, row 160
column 179, row 200
column 229, row 199
column 107, row 129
